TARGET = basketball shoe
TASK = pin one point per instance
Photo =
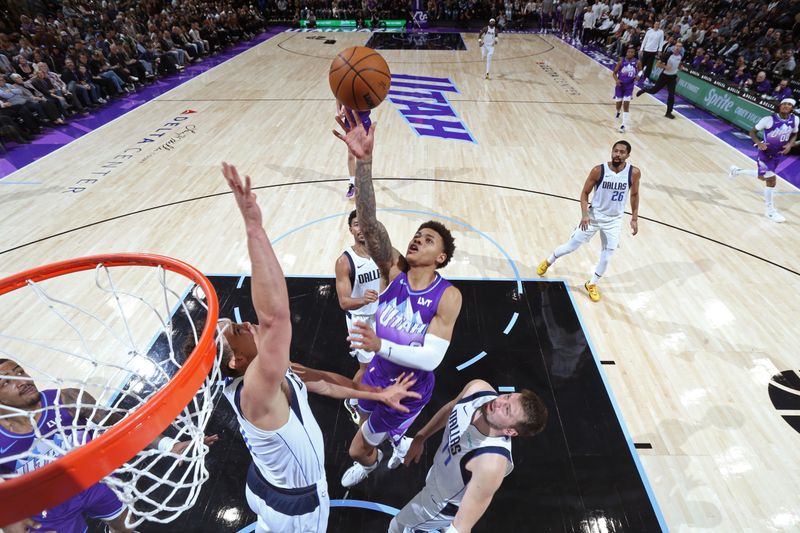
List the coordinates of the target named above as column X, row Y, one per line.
column 732, row 172
column 399, row 453
column 542, row 268
column 358, row 472
column 355, row 416
column 774, row 216
column 594, row 292
column 351, row 192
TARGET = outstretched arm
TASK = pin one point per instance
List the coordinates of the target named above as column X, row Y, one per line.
column 268, row 288
column 360, row 144
column 339, row 387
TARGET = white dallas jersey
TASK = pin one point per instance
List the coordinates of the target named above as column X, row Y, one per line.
column 364, row 275
column 461, row 442
column 489, row 36
column 611, row 191
column 292, row 456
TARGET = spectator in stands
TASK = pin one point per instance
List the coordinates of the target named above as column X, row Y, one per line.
column 761, row 84
column 12, row 105
column 787, row 65
column 741, row 77
column 699, row 59
column 717, row 68
column 782, row 90
column 126, row 67
column 99, row 67
column 24, row 68
column 51, row 82
column 79, row 84
column 46, row 111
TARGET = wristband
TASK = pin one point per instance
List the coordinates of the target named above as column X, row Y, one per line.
column 165, row 444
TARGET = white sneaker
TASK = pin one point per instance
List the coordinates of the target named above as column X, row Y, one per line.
column 732, row 172
column 774, row 216
column 399, row 453
column 621, row 129
column 358, row 472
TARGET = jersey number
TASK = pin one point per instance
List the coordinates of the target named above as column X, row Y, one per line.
column 618, row 196
column 785, row 137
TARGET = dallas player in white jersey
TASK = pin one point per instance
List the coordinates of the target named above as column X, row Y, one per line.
column 358, row 281
column 488, row 39
column 472, row 459
column 286, row 485
column 611, row 182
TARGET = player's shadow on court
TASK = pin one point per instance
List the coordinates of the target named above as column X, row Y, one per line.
column 710, row 195
column 658, row 275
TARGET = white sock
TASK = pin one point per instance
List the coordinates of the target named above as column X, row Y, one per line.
column 551, row 259
column 746, row 172
column 352, row 180
column 595, row 279
column 625, row 117
column 768, row 192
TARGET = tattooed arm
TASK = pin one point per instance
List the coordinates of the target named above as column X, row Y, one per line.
column 360, row 143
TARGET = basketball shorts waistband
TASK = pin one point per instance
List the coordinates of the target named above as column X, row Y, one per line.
column 290, row 502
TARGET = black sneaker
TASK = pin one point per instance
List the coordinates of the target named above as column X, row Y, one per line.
column 669, row 115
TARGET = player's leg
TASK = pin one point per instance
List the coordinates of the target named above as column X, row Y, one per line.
column 489, row 54
column 267, row 519
column 578, row 238
column 365, row 453
column 101, row 503
column 423, row 513
column 770, row 180
column 609, row 241
column 627, row 94
column 617, row 100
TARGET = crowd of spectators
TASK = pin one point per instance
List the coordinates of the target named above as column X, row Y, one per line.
column 67, row 58
column 751, row 45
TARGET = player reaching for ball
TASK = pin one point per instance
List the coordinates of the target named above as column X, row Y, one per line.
column 359, row 78
column 417, row 310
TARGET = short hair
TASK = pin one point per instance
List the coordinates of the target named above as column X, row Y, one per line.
column 447, row 238
column 535, row 414
column 4, row 360
column 626, row 144
column 351, row 217
column 227, row 352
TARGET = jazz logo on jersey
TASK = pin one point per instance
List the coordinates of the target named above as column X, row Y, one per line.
column 424, row 301
column 421, row 100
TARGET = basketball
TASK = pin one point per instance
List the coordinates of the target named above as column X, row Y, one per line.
column 359, row 78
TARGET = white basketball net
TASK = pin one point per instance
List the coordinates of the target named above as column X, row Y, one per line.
column 116, row 342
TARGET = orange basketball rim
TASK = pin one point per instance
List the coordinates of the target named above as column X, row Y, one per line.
column 52, row 484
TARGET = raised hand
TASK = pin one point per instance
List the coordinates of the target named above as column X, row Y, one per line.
column 358, row 140
column 393, row 394
column 242, row 192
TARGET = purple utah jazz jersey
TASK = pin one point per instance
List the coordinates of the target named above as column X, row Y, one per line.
column 17, row 443
column 403, row 317
column 780, row 132
column 627, row 72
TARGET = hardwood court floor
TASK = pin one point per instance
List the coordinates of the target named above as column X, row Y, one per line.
column 698, row 310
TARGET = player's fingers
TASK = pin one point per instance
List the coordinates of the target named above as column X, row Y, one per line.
column 340, row 121
column 338, row 134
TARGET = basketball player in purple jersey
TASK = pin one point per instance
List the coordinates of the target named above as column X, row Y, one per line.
column 780, row 133
column 625, row 76
column 417, row 310
column 351, row 161
column 17, row 437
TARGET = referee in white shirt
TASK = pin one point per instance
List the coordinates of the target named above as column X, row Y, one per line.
column 652, row 43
